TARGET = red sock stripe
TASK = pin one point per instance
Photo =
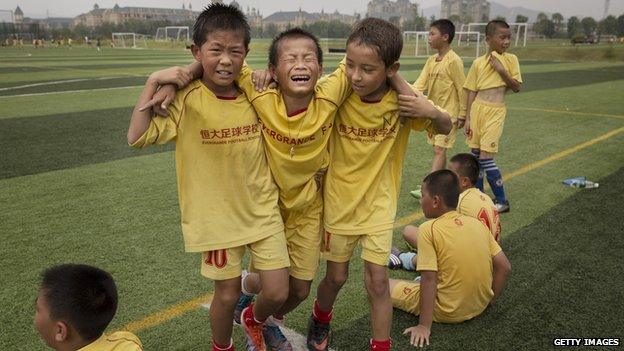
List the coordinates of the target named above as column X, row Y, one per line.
column 321, row 316
column 380, row 345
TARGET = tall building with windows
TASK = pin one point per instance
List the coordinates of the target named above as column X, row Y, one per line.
column 466, row 11
column 394, row 11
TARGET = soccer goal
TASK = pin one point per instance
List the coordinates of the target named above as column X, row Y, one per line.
column 419, row 40
column 129, row 40
column 173, row 33
column 519, row 30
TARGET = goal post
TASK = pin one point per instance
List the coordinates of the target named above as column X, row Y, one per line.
column 173, row 33
column 129, row 40
column 422, row 49
column 520, row 30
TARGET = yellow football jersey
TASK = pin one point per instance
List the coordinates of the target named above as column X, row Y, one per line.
column 474, row 203
column 443, row 82
column 367, row 149
column 460, row 249
column 119, row 341
column 482, row 76
column 226, row 191
column 296, row 144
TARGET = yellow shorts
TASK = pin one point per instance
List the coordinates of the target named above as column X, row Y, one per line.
column 443, row 140
column 304, row 230
column 486, row 125
column 406, row 296
column 375, row 247
column 267, row 254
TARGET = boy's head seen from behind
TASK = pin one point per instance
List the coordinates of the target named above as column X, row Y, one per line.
column 466, row 166
column 75, row 304
column 440, row 193
column 373, row 51
column 221, row 37
column 441, row 33
column 296, row 61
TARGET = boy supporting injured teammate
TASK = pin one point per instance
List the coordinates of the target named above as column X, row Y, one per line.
column 75, row 305
column 489, row 78
column 297, row 119
column 228, row 199
column 442, row 79
column 462, row 268
column 367, row 148
column 472, row 203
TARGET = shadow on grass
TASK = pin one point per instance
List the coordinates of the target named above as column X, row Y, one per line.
column 40, row 144
column 566, row 282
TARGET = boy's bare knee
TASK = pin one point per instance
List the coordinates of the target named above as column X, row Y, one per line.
column 338, row 279
column 410, row 234
column 300, row 292
column 377, row 285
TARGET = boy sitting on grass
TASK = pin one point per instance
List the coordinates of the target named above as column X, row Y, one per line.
column 461, row 266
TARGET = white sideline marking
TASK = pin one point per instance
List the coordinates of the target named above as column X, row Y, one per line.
column 69, row 91
column 55, row 82
column 297, row 340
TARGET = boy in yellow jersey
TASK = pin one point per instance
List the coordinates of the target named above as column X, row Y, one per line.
column 367, row 148
column 296, row 123
column 472, row 202
column 442, row 79
column 74, row 306
column 228, row 199
column 461, row 266
column 489, row 78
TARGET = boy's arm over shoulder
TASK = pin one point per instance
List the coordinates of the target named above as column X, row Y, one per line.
column 335, row 86
column 147, row 129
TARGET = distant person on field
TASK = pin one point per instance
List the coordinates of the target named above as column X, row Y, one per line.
column 442, row 79
column 489, row 78
column 75, row 305
column 462, row 268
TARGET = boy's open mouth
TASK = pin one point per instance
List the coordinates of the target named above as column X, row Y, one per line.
column 300, row 78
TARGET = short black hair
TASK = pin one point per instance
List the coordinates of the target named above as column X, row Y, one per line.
column 468, row 166
column 445, row 184
column 445, row 27
column 493, row 25
column 219, row 16
column 382, row 35
column 294, row 33
column 84, row 297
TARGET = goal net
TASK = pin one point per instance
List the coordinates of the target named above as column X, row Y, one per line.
column 518, row 32
column 172, row 33
column 418, row 43
column 129, row 40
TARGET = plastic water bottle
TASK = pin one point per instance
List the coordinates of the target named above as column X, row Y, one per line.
column 585, row 184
